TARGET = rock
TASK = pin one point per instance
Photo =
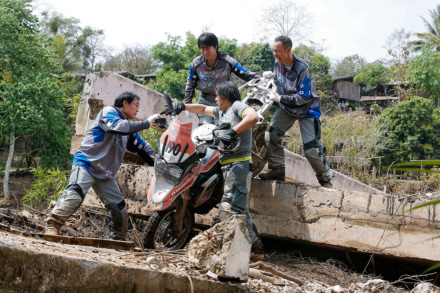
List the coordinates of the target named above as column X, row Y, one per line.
column 425, row 287
column 375, row 285
column 223, row 250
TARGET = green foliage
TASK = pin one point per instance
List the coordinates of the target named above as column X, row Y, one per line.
column 49, row 186
column 319, row 67
column 33, row 108
column 430, row 38
column 352, row 136
column 176, row 60
column 169, row 54
column 418, row 166
column 373, row 74
column 413, row 131
column 256, row 57
column 21, row 48
column 75, row 47
column 349, row 65
column 398, row 49
column 424, row 72
column 375, row 109
column 170, row 81
column 191, row 49
column 136, row 60
column 328, row 105
column 152, row 136
column 228, row 46
column 72, row 86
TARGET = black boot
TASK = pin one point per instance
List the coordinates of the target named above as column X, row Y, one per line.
column 274, row 174
column 324, row 183
column 257, row 250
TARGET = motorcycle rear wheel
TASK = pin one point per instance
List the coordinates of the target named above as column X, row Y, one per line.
column 259, row 148
column 158, row 233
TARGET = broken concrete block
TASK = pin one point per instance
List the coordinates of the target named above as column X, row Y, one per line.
column 224, row 249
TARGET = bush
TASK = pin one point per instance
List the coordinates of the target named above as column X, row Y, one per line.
column 49, row 186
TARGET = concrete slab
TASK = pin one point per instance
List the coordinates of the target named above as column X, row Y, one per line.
column 369, row 222
column 353, row 220
column 32, row 265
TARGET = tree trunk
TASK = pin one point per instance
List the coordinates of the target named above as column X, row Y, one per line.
column 8, row 167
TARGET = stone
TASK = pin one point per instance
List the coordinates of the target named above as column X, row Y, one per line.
column 223, row 250
column 425, row 287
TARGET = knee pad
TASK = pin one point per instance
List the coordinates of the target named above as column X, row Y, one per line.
column 312, row 153
column 274, row 135
column 71, row 199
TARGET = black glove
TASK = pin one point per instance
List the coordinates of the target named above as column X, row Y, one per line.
column 228, row 136
column 177, row 107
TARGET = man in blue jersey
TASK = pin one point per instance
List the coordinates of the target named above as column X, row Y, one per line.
column 97, row 161
column 298, row 101
column 208, row 70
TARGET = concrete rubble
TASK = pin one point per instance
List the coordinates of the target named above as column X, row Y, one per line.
column 223, row 250
column 352, row 216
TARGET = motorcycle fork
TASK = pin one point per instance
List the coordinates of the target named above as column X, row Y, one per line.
column 180, row 214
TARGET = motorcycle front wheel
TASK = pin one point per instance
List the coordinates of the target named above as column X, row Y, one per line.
column 259, row 149
column 158, row 233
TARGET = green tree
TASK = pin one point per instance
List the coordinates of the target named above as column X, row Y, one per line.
column 373, row 74
column 176, row 59
column 256, row 57
column 30, row 106
column 398, row 49
column 430, row 38
column 413, row 131
column 76, row 48
column 172, row 77
column 424, row 72
column 349, row 65
column 319, row 66
column 93, row 48
column 136, row 59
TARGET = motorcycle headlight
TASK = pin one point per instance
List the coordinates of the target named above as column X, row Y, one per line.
column 171, row 173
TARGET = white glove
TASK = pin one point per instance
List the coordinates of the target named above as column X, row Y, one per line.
column 267, row 74
column 152, row 118
column 275, row 97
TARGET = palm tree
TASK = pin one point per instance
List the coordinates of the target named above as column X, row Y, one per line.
column 431, row 38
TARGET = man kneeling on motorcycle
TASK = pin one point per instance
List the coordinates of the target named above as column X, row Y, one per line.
column 236, row 166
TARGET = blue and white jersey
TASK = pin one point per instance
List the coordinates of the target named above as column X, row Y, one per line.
column 104, row 144
column 295, row 86
column 206, row 78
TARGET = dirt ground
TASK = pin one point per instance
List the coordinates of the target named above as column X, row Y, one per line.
column 294, row 260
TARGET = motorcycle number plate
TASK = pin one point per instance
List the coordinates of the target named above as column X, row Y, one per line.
column 177, row 143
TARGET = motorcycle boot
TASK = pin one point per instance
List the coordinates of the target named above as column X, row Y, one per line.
column 118, row 220
column 323, row 182
column 53, row 226
column 257, row 250
column 274, row 174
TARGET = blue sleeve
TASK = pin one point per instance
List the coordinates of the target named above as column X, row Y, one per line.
column 191, row 83
column 112, row 122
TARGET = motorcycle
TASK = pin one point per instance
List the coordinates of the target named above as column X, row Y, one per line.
column 258, row 97
column 187, row 178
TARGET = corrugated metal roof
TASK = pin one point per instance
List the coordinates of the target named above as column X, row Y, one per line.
column 350, row 77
